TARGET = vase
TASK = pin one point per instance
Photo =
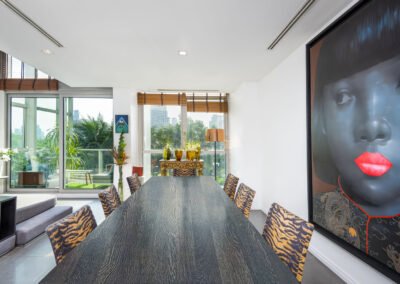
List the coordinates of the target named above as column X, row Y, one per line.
column 167, row 153
column 190, row 154
column 178, row 155
column 120, row 184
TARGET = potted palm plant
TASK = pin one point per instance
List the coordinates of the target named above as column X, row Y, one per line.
column 120, row 159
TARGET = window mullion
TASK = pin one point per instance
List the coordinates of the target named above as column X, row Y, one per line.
column 183, row 125
column 61, row 142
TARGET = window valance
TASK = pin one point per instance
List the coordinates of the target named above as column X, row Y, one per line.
column 194, row 102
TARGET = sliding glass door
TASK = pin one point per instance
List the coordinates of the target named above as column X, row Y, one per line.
column 80, row 160
column 34, row 138
column 88, row 143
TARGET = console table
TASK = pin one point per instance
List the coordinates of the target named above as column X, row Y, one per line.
column 31, row 179
column 184, row 164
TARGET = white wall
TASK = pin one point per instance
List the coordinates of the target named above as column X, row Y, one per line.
column 125, row 102
column 269, row 153
column 3, row 128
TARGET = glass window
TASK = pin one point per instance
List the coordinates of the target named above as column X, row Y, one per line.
column 42, row 75
column 29, row 71
column 15, row 71
column 14, row 67
column 34, row 134
column 47, row 104
column 163, row 125
column 17, row 127
column 88, row 143
column 198, row 123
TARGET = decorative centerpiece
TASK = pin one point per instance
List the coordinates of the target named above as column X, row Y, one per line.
column 5, row 156
column 167, row 152
column 120, row 159
column 198, row 150
column 178, row 154
column 193, row 151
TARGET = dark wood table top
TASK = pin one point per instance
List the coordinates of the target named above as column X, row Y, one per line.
column 174, row 230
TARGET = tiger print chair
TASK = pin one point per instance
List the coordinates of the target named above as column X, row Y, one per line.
column 230, row 185
column 134, row 183
column 289, row 236
column 184, row 172
column 244, row 199
column 69, row 232
column 110, row 200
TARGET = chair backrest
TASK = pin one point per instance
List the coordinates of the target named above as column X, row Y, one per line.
column 134, row 183
column 289, row 236
column 70, row 231
column 230, row 185
column 244, row 199
column 110, row 200
column 184, row 172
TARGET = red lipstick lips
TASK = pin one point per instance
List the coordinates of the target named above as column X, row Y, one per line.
column 373, row 164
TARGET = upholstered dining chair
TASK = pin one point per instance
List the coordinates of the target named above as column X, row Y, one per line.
column 230, row 185
column 134, row 183
column 289, row 236
column 110, row 200
column 244, row 199
column 184, row 172
column 70, row 231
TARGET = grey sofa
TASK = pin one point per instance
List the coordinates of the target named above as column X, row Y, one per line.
column 33, row 214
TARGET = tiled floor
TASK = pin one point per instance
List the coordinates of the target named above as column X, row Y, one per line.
column 30, row 263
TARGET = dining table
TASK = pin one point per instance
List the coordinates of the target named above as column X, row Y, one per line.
column 174, row 230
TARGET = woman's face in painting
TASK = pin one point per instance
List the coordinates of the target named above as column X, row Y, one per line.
column 362, row 127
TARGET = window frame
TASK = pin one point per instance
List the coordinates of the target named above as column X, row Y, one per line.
column 184, row 125
column 61, row 94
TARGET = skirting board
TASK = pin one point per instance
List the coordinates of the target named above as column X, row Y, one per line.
column 332, row 265
column 345, row 265
column 327, row 262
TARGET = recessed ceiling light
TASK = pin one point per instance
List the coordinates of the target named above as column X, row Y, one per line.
column 182, row 52
column 47, row 51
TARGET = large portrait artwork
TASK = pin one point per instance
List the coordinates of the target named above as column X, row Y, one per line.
column 354, row 133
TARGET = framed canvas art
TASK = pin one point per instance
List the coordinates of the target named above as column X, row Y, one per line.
column 121, row 123
column 353, row 85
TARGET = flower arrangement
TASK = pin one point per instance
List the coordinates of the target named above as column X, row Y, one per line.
column 120, row 159
column 5, row 154
column 167, row 152
column 193, row 150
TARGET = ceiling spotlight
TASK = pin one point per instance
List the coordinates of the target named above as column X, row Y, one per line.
column 47, row 51
column 182, row 52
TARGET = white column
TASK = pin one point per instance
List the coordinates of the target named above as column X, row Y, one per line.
column 3, row 134
column 125, row 102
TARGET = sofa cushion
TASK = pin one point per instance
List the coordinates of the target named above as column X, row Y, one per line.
column 7, row 244
column 34, row 226
column 29, row 205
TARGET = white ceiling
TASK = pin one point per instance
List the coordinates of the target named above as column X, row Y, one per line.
column 134, row 43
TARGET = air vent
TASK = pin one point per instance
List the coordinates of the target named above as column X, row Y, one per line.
column 293, row 21
column 31, row 22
